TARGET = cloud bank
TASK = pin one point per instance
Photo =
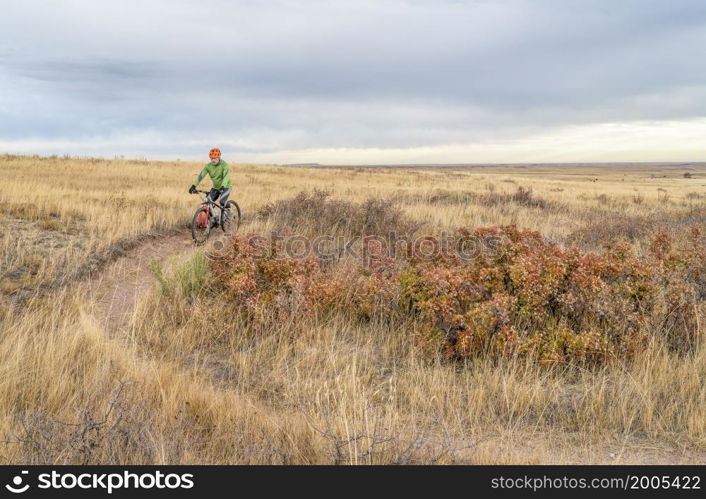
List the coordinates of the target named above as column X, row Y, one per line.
column 364, row 81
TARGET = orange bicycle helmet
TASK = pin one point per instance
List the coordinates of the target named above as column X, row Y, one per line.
column 214, row 153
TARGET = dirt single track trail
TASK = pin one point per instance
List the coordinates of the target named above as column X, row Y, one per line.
column 116, row 290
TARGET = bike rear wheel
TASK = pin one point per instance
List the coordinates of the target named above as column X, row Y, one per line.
column 230, row 218
column 200, row 226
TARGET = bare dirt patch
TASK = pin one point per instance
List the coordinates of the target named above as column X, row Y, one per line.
column 118, row 288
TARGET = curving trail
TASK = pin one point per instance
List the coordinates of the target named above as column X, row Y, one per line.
column 117, row 288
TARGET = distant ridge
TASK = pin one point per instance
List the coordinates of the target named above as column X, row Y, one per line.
column 516, row 165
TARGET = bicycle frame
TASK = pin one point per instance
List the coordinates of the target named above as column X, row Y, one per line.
column 207, row 202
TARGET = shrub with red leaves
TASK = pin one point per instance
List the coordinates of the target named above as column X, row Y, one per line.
column 520, row 296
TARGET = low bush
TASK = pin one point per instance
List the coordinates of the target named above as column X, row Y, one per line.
column 532, row 298
column 315, row 213
column 270, row 286
column 606, row 227
column 523, row 196
column 515, row 295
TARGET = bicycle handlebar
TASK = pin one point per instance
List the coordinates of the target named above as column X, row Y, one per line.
column 208, row 200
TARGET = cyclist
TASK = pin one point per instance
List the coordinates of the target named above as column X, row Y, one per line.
column 219, row 171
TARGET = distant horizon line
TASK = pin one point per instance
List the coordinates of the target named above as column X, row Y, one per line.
column 489, row 164
column 122, row 157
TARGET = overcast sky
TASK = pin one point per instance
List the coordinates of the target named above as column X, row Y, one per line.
column 360, row 81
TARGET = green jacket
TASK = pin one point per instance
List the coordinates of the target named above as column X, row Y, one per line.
column 220, row 175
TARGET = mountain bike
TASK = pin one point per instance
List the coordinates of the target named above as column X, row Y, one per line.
column 212, row 214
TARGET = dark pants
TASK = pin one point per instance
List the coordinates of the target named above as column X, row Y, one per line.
column 222, row 193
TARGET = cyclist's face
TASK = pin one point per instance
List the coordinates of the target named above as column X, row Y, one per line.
column 215, row 161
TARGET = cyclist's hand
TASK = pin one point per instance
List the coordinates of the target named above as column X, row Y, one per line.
column 192, row 189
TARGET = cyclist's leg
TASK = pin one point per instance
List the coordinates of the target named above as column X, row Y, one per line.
column 225, row 192
column 213, row 194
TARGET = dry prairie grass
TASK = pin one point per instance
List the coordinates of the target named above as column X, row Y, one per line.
column 184, row 380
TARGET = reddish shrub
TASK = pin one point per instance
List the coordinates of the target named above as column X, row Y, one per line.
column 515, row 295
column 316, row 213
column 268, row 285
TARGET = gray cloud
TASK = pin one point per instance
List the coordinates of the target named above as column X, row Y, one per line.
column 283, row 75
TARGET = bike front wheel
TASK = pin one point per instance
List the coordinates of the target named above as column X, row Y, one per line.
column 230, row 218
column 200, row 226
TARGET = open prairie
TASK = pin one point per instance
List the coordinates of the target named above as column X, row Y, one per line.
column 122, row 342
